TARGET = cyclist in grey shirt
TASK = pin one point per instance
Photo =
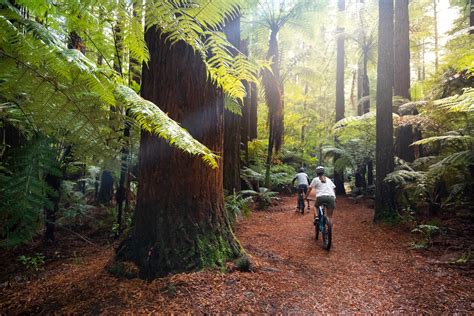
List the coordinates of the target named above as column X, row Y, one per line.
column 302, row 180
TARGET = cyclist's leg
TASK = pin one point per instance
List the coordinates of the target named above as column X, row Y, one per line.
column 298, row 197
column 330, row 203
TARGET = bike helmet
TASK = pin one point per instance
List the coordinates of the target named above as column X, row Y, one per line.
column 319, row 169
column 301, row 169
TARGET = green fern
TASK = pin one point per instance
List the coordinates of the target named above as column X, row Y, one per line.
column 24, row 191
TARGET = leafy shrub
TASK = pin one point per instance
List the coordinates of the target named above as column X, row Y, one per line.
column 281, row 177
column 427, row 232
column 243, row 264
column 263, row 197
column 35, row 262
column 73, row 205
column 237, row 205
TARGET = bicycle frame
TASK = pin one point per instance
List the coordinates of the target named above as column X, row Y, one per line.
column 323, row 225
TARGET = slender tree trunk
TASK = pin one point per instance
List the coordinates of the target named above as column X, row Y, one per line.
column 353, row 87
column 370, row 173
column 471, row 18
column 245, row 121
column 232, row 124
column 339, row 175
column 402, row 50
column 423, row 61
column 121, row 194
column 384, row 123
column 273, row 95
column 435, row 15
column 180, row 222
column 106, row 189
column 305, row 106
column 253, row 114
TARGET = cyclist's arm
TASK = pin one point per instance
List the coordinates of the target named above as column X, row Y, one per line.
column 293, row 182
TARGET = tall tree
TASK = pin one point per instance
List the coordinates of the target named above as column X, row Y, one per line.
column 274, row 18
column 436, row 35
column 180, row 222
column 404, row 133
column 402, row 50
column 341, row 5
column 273, row 94
column 384, row 120
column 232, row 123
column 253, row 113
column 245, row 120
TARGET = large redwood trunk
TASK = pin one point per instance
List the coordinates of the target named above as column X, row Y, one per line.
column 180, row 222
column 232, row 124
column 384, row 121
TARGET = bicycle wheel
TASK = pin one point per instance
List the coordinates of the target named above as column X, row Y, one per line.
column 301, row 203
column 327, row 234
column 316, row 230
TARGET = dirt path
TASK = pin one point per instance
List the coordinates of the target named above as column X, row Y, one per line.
column 369, row 269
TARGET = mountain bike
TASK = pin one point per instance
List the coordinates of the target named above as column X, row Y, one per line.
column 301, row 205
column 322, row 224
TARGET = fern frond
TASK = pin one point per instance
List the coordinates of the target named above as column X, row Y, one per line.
column 153, row 120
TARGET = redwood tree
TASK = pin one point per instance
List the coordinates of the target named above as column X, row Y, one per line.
column 232, row 122
column 404, row 133
column 339, row 175
column 401, row 69
column 384, row 120
column 180, row 222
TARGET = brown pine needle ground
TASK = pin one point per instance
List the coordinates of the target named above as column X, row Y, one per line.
column 370, row 269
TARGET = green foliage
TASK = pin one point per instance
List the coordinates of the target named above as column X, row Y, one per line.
column 237, row 205
column 24, row 191
column 263, row 197
column 444, row 177
column 73, row 205
column 67, row 95
column 35, row 262
column 243, row 264
column 427, row 232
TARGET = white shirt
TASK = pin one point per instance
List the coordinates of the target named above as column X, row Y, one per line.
column 323, row 189
column 301, row 178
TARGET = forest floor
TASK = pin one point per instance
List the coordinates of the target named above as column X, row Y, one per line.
column 370, row 269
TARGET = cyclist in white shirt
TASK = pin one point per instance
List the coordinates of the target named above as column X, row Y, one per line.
column 324, row 188
column 302, row 181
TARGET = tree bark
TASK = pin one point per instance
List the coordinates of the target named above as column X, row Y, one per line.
column 384, row 121
column 273, row 96
column 404, row 134
column 232, row 123
column 339, row 175
column 402, row 50
column 253, row 113
column 180, row 222
column 405, row 137
column 245, row 121
column 106, row 189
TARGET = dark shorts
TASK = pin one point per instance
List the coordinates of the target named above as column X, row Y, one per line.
column 302, row 188
column 328, row 200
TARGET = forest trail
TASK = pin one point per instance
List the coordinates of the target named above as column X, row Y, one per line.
column 370, row 269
